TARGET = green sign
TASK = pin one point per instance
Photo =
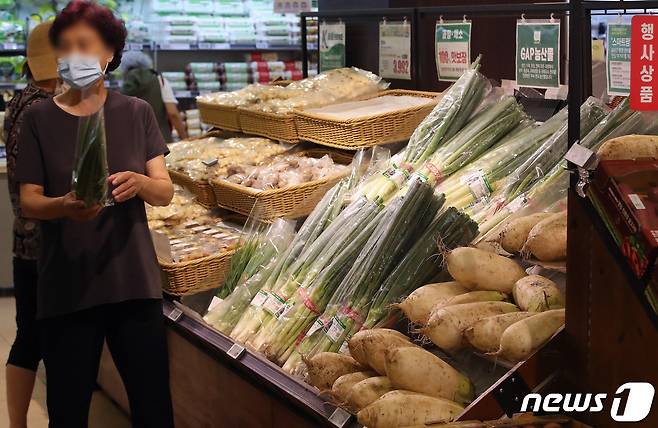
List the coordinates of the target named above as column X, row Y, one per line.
column 618, row 59
column 453, row 49
column 538, row 54
column 332, row 46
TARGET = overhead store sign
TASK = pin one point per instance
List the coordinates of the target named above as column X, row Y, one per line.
column 395, row 50
column 295, row 6
column 538, row 53
column 453, row 49
column 332, row 46
column 618, row 59
column 644, row 62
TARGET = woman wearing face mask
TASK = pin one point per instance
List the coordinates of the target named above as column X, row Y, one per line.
column 98, row 275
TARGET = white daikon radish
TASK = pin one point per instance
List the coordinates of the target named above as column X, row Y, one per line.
column 534, row 293
column 402, row 408
column 418, row 370
column 367, row 392
column 484, row 335
column 515, row 232
column 446, row 325
column 325, row 367
column 369, row 346
column 472, row 297
column 547, row 241
column 343, row 385
column 524, row 337
column 475, row 268
column 418, row 305
column 629, row 147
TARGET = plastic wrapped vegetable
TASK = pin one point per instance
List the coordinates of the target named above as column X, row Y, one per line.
column 89, row 181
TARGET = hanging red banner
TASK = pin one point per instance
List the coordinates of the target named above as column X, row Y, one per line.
column 644, row 62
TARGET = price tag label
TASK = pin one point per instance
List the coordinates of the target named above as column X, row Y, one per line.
column 580, row 156
column 235, row 351
column 395, row 50
column 453, row 49
column 618, row 59
column 175, row 314
column 175, row 46
column 538, row 53
column 135, row 46
column 262, row 45
column 332, row 46
column 296, row 6
column 339, row 417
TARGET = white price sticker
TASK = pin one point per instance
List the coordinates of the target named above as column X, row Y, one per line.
column 274, row 304
column 335, row 330
column 478, row 184
column 317, row 325
column 395, row 50
column 259, row 298
column 235, row 351
column 175, row 314
column 214, row 302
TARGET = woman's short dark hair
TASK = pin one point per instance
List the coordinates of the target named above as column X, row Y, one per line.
column 111, row 29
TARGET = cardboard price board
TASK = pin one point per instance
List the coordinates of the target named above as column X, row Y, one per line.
column 644, row 62
column 538, row 53
column 395, row 50
column 618, row 59
column 332, row 46
column 453, row 49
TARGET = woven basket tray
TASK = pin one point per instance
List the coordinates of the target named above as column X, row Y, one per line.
column 203, row 191
column 221, row 116
column 289, row 202
column 197, row 275
column 368, row 131
column 279, row 127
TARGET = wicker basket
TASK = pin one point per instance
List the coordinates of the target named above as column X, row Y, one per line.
column 280, row 127
column 195, row 276
column 289, row 202
column 203, row 191
column 221, row 116
column 368, row 131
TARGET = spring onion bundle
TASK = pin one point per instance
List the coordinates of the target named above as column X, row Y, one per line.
column 89, row 181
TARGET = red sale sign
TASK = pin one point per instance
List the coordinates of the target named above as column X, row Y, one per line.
column 644, row 62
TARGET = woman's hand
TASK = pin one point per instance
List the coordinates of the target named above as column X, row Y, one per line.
column 77, row 210
column 127, row 185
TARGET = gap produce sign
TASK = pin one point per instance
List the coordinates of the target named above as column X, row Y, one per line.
column 644, row 60
column 538, row 53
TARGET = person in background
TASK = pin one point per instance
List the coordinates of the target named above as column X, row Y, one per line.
column 99, row 279
column 40, row 70
column 142, row 81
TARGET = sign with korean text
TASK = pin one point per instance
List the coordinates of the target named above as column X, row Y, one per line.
column 538, row 53
column 644, row 62
column 618, row 59
column 395, row 50
column 453, row 49
column 332, row 46
column 292, row 6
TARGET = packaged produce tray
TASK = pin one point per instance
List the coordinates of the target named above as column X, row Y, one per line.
column 203, row 191
column 221, row 116
column 288, row 202
column 195, row 276
column 363, row 132
column 280, row 127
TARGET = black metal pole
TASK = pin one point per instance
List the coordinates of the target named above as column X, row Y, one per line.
column 575, row 69
column 304, row 47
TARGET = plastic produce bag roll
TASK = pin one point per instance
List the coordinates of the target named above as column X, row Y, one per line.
column 89, row 180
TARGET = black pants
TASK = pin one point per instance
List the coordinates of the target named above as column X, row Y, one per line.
column 25, row 351
column 135, row 334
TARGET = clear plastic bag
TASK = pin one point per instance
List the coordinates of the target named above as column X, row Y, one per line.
column 90, row 172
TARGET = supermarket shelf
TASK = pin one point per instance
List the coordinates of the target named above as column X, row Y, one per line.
column 638, row 286
column 12, row 49
column 187, row 323
column 225, row 47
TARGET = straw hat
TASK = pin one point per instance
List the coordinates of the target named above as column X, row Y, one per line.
column 40, row 54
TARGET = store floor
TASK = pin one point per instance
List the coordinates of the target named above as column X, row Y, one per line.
column 103, row 414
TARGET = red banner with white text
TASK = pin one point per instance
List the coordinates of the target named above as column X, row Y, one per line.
column 644, row 62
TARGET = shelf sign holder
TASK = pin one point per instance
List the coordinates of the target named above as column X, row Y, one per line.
column 175, row 314
column 339, row 417
column 235, row 351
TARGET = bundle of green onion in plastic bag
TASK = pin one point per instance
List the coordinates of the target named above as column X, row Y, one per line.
column 90, row 172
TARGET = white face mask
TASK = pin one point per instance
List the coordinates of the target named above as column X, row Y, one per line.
column 80, row 71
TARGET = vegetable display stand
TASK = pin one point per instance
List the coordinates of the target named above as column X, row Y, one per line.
column 364, row 132
column 288, row 202
column 195, row 276
column 279, row 127
column 221, row 116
